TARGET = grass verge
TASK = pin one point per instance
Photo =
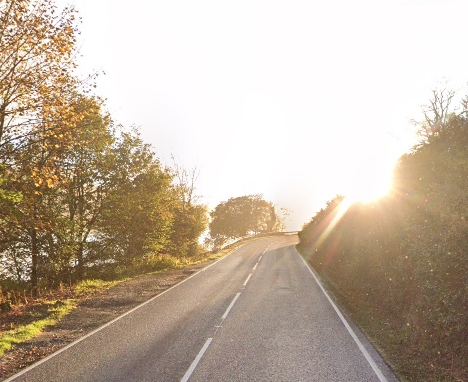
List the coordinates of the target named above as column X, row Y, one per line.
column 57, row 311
column 93, row 286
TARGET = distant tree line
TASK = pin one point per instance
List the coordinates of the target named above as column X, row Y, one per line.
column 401, row 263
column 77, row 191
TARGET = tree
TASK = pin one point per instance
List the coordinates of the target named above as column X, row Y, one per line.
column 189, row 223
column 190, row 218
column 86, row 180
column 48, row 227
column 137, row 214
column 311, row 233
column 36, row 65
column 30, row 221
column 437, row 112
column 241, row 216
column 37, row 53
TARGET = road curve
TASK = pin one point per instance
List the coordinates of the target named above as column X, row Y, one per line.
column 258, row 314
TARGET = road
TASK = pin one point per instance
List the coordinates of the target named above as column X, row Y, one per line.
column 256, row 315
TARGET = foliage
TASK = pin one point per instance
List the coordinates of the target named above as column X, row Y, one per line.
column 78, row 194
column 189, row 223
column 137, row 219
column 241, row 216
column 312, row 233
column 190, row 220
column 37, row 53
column 400, row 264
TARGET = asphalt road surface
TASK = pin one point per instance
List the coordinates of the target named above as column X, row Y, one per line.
column 258, row 314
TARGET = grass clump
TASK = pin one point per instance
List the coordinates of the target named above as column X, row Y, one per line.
column 57, row 311
column 92, row 286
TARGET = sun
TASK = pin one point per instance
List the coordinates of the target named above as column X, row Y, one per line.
column 369, row 183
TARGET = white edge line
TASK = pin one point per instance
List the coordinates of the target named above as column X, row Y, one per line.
column 197, row 359
column 230, row 306
column 247, row 279
column 366, row 354
column 34, row 365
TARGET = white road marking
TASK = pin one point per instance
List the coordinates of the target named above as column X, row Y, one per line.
column 247, row 279
column 230, row 306
column 366, row 354
column 260, row 257
column 197, row 359
column 255, row 267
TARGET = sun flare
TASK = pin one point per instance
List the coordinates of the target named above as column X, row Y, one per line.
column 369, row 184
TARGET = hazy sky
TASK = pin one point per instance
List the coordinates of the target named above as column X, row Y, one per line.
column 298, row 100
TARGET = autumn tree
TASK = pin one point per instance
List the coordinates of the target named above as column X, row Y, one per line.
column 37, row 48
column 42, row 172
column 76, row 191
column 86, row 179
column 28, row 222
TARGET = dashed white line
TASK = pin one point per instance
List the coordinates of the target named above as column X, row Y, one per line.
column 230, row 306
column 266, row 249
column 194, row 364
column 197, row 359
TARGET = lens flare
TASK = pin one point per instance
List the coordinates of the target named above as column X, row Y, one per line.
column 370, row 183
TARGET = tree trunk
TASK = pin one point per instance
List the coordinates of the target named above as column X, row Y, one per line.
column 34, row 261
column 80, row 265
column 2, row 122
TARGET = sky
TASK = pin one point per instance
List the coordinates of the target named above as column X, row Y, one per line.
column 296, row 100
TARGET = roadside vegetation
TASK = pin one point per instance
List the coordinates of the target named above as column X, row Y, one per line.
column 27, row 316
column 80, row 196
column 400, row 264
column 55, row 313
column 85, row 203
